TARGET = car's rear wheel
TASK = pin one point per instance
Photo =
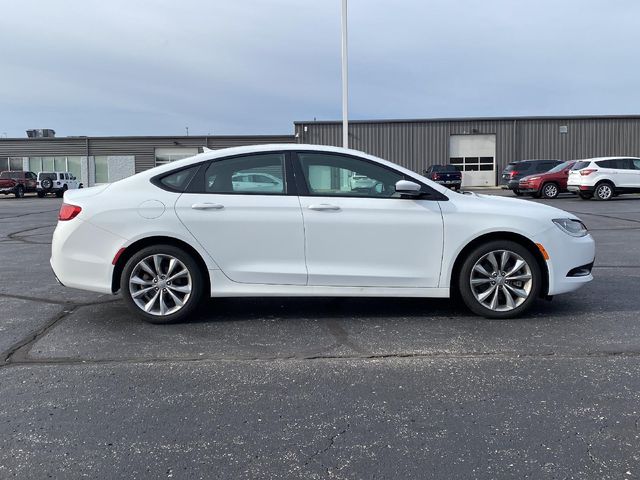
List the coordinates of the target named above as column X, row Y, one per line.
column 604, row 191
column 500, row 279
column 550, row 190
column 19, row 191
column 162, row 284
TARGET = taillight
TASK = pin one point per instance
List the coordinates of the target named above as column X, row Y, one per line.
column 67, row 212
column 587, row 171
column 513, row 173
column 436, row 176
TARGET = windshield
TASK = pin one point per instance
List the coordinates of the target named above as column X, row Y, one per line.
column 560, row 167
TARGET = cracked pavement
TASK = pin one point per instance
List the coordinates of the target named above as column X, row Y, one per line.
column 319, row 388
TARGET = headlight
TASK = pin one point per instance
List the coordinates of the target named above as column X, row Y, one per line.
column 533, row 178
column 572, row 227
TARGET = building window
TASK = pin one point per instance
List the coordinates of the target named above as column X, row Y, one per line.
column 166, row 155
column 102, row 169
column 15, row 163
column 56, row 164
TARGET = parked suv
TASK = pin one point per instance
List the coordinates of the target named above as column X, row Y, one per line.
column 447, row 175
column 56, row 182
column 548, row 184
column 604, row 178
column 17, row 183
column 516, row 170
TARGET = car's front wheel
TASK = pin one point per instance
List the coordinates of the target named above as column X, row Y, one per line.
column 500, row 279
column 550, row 190
column 162, row 284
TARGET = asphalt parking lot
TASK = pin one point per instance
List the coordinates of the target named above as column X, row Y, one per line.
column 319, row 388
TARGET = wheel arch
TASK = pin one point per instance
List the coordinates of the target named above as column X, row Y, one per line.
column 158, row 240
column 488, row 237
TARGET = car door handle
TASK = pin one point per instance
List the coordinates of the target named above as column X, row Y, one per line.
column 323, row 206
column 207, row 206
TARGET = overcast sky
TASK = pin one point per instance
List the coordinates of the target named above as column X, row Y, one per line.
column 153, row 67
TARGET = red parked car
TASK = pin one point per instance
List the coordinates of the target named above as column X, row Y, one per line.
column 548, row 184
column 17, row 183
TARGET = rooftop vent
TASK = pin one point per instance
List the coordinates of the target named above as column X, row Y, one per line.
column 41, row 133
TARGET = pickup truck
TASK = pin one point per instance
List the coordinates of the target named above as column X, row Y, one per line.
column 446, row 175
column 17, row 183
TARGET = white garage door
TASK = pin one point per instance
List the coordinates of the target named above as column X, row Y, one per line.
column 475, row 156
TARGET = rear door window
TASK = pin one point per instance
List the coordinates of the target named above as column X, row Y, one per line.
column 580, row 165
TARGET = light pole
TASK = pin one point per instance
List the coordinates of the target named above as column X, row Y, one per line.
column 345, row 81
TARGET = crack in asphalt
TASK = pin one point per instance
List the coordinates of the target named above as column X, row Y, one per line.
column 26, row 238
column 30, row 213
column 330, row 444
column 58, row 302
column 23, row 360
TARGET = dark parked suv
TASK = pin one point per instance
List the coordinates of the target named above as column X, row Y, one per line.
column 516, row 170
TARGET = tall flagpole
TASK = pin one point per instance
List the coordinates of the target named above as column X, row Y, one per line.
column 345, row 81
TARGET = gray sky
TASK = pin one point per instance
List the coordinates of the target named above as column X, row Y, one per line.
column 124, row 67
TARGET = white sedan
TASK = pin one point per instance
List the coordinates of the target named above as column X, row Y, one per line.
column 168, row 236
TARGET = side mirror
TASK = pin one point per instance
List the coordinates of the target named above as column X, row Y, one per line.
column 407, row 187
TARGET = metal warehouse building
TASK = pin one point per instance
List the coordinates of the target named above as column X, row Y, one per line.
column 482, row 147
column 96, row 160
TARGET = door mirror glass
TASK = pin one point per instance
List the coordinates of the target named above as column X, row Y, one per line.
column 407, row 187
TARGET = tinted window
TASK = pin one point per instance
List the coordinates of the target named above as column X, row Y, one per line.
column 614, row 163
column 444, row 168
column 580, row 165
column 179, row 181
column 636, row 163
column 259, row 174
column 523, row 166
column 5, row 175
column 338, row 175
column 49, row 175
column 510, row 167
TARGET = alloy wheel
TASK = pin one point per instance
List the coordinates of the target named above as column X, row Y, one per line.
column 550, row 190
column 604, row 192
column 501, row 280
column 160, row 284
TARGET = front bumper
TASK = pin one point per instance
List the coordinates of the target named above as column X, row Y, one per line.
column 568, row 256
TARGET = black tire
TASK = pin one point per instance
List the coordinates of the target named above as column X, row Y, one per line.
column 517, row 193
column 40, row 194
column 604, row 191
column 536, row 194
column 60, row 193
column 19, row 193
column 550, row 190
column 464, row 279
column 585, row 196
column 197, row 284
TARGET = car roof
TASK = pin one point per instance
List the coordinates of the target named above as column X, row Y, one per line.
column 597, row 159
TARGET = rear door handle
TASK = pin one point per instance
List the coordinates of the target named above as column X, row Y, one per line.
column 207, row 206
column 323, row 206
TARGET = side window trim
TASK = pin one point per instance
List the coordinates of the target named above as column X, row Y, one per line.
column 303, row 188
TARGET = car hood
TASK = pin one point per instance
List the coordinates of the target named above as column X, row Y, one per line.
column 497, row 205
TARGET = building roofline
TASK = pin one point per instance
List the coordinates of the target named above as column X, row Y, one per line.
column 473, row 119
column 149, row 137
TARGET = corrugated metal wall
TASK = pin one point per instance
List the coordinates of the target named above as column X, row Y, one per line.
column 416, row 144
column 143, row 148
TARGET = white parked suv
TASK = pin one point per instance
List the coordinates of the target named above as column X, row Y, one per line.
column 56, row 182
column 604, row 178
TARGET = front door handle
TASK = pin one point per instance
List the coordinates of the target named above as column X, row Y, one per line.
column 324, row 206
column 207, row 206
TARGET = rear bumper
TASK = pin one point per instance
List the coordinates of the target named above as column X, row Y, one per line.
column 580, row 188
column 511, row 185
column 449, row 183
column 74, row 265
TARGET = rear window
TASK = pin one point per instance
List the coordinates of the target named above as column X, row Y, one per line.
column 445, row 168
column 510, row 167
column 5, row 175
column 580, row 165
column 178, row 181
column 43, row 175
